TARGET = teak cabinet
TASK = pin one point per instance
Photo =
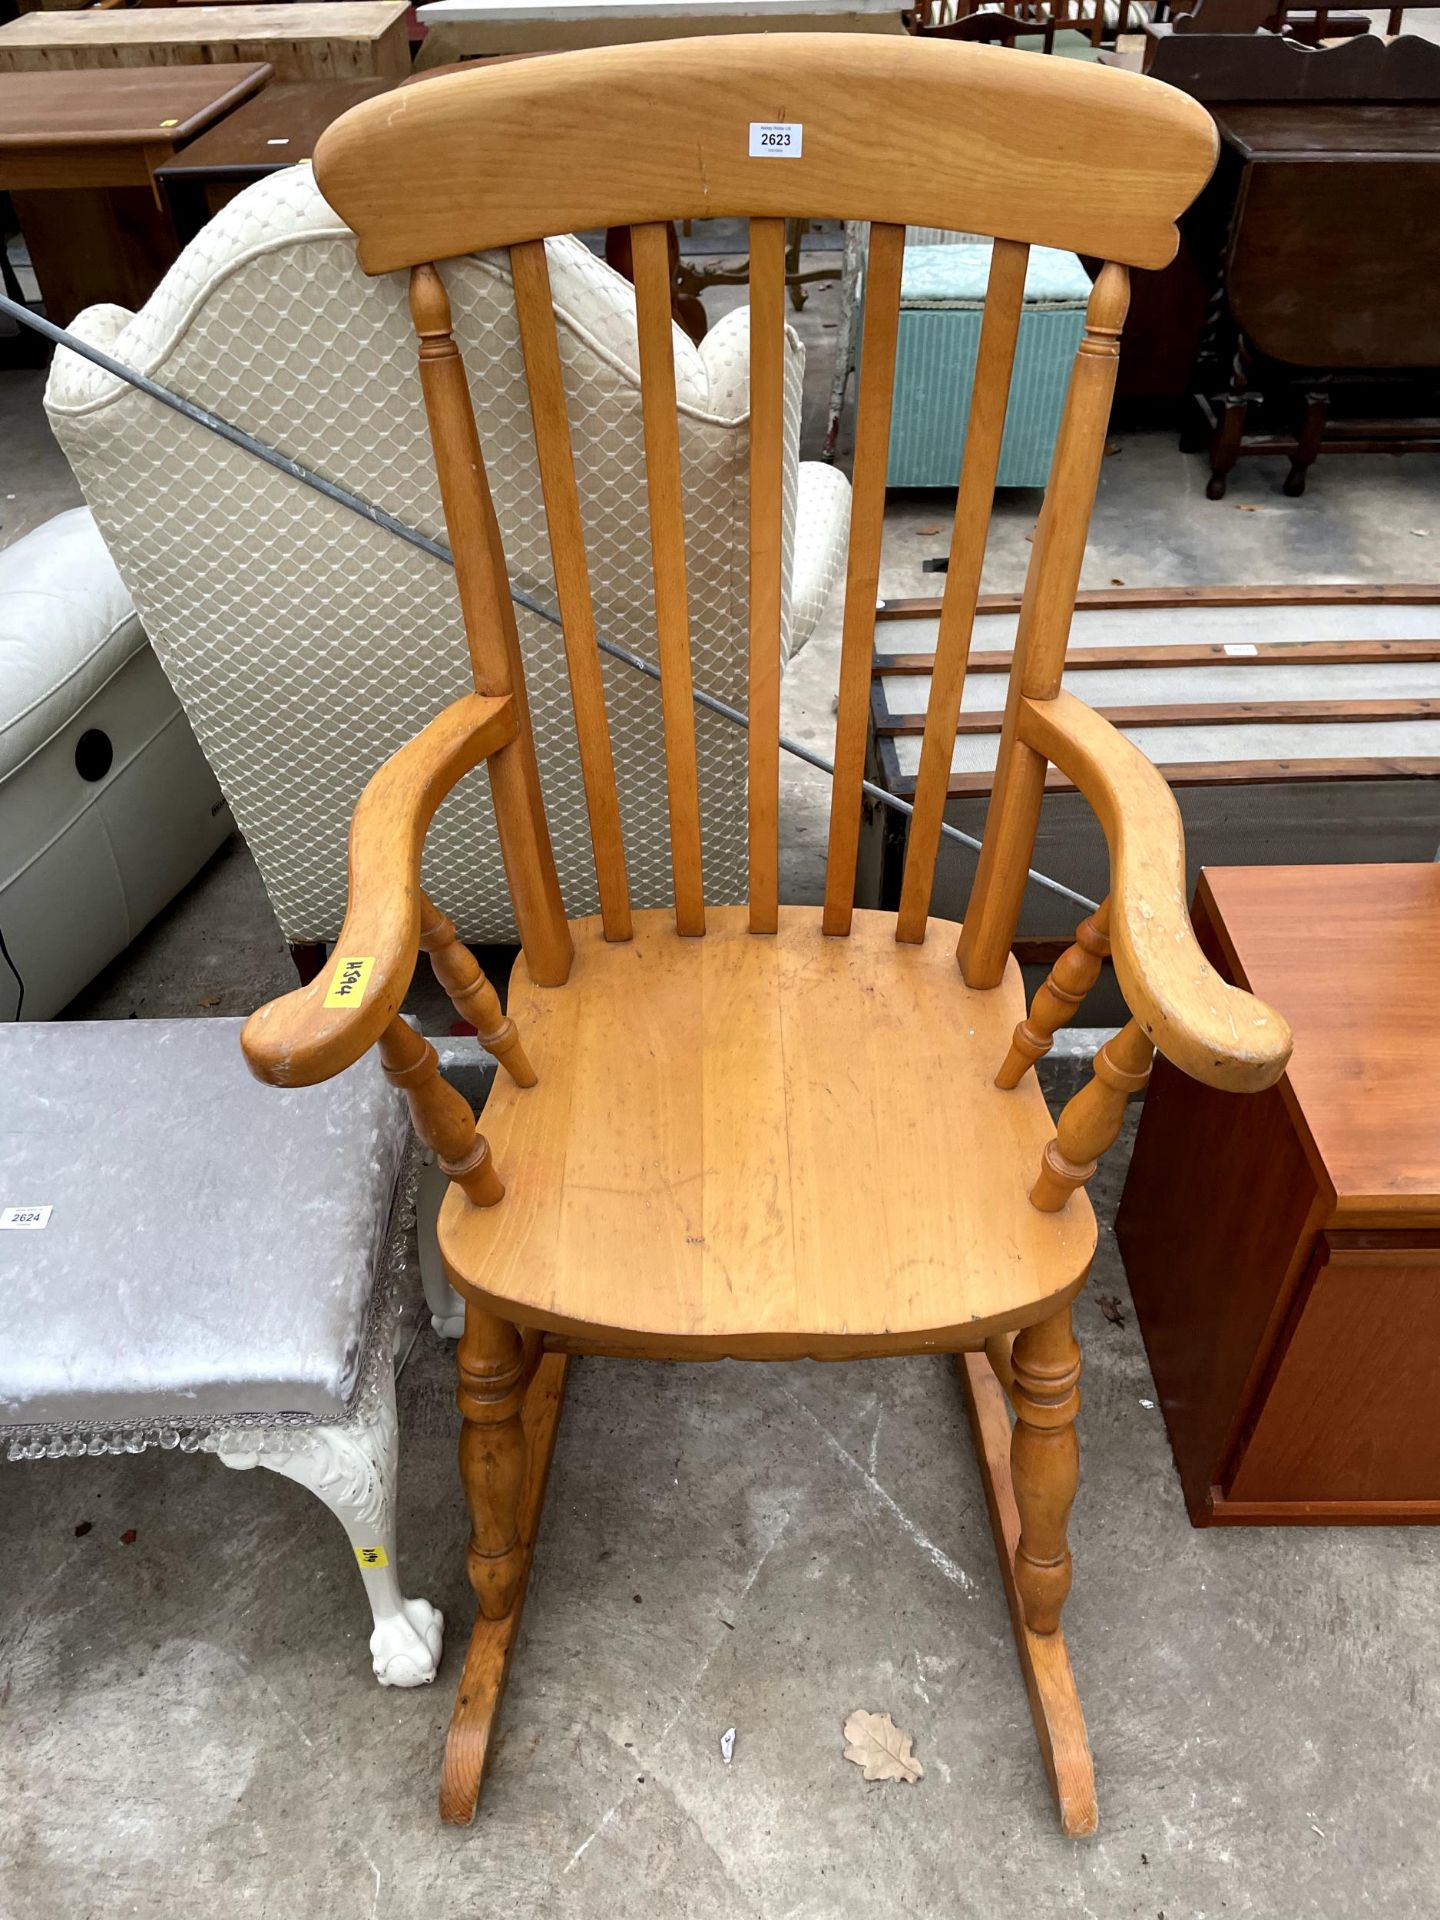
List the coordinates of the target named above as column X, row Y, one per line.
column 1284, row 1248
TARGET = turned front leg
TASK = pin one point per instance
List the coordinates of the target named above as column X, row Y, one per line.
column 1044, row 1464
column 471, row 994
column 1057, row 1000
column 493, row 1377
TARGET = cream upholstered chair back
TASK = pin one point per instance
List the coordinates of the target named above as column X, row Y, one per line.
column 307, row 645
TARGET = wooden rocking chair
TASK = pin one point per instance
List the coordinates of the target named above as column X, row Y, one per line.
column 692, row 1151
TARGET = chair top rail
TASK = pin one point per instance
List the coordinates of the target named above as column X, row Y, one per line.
column 939, row 134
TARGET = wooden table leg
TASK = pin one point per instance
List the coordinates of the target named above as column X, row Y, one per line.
column 92, row 244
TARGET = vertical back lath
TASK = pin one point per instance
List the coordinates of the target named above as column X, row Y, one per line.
column 995, row 359
column 767, row 480
column 651, row 246
column 539, row 343
column 862, row 567
column 489, row 615
column 1049, row 600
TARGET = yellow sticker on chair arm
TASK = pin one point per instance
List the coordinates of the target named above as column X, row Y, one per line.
column 349, row 981
column 372, row 1556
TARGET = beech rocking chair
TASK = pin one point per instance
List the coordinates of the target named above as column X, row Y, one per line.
column 684, row 1156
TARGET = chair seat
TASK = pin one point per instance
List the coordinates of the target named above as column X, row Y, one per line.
column 766, row 1146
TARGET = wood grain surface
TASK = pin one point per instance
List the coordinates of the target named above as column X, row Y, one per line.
column 766, row 1146
column 963, row 137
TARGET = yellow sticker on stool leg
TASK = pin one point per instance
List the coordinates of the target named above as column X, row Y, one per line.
column 372, row 1556
column 349, row 981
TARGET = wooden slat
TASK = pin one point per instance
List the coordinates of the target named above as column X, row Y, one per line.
column 651, row 247
column 862, row 567
column 1284, row 653
column 767, row 479
column 1051, row 582
column 534, row 309
column 970, row 531
column 1236, row 773
column 1116, row 600
column 482, row 582
column 1229, row 713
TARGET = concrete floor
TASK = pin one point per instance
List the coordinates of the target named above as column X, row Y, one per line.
column 190, row 1727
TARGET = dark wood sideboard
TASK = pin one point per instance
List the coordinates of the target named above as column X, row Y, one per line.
column 1283, row 1248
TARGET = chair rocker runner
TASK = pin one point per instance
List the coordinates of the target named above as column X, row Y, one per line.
column 684, row 1156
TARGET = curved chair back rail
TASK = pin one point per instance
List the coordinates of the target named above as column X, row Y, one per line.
column 921, row 135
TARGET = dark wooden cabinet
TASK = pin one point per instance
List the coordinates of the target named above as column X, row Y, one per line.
column 1283, row 1248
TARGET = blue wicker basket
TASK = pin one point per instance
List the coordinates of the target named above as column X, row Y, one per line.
column 942, row 296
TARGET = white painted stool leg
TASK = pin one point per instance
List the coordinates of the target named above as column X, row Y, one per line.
column 447, row 1309
column 353, row 1470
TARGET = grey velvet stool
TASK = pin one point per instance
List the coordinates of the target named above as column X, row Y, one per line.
column 190, row 1260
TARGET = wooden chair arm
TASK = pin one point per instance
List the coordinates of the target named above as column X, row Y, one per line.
column 320, row 1029
column 1213, row 1032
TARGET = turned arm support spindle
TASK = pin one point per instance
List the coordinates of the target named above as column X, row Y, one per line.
column 1090, row 1122
column 471, row 994
column 1058, row 999
column 440, row 1115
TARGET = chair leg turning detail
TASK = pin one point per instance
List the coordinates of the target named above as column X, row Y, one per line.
column 1044, row 1464
column 1044, row 1660
column 487, row 1661
column 491, row 1362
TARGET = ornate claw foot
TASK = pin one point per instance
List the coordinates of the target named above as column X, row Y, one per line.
column 352, row 1469
column 405, row 1646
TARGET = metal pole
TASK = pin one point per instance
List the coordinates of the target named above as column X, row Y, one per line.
column 377, row 517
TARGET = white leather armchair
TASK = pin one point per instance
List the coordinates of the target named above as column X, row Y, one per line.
column 256, row 591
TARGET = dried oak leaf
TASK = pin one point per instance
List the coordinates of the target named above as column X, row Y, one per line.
column 874, row 1742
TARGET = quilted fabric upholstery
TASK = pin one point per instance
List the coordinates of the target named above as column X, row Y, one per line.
column 306, row 646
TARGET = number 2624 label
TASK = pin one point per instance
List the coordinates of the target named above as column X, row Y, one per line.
column 776, row 139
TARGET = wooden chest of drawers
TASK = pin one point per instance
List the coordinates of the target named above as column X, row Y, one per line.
column 1284, row 1248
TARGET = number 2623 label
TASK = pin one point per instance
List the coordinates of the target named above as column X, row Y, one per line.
column 776, row 139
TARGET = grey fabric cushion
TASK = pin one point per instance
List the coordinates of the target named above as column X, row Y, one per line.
column 213, row 1241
